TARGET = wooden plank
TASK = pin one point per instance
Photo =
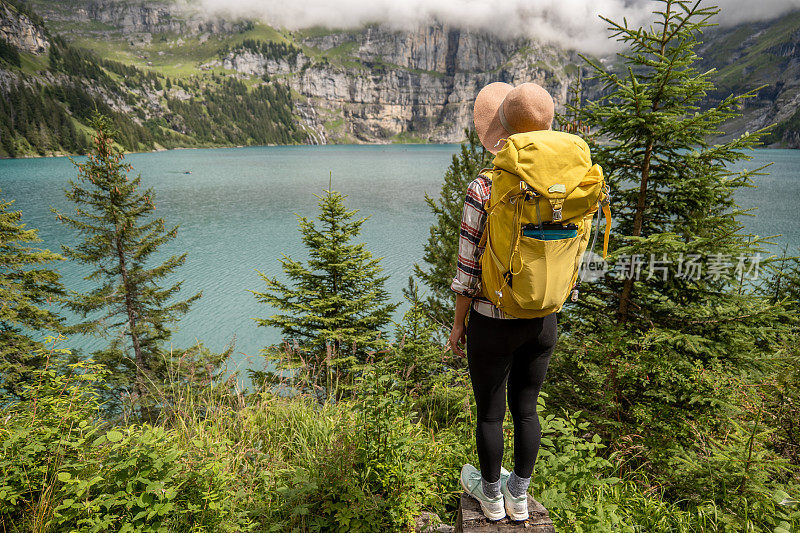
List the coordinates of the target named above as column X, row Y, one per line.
column 470, row 518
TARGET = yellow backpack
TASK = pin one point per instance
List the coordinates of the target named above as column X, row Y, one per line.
column 545, row 192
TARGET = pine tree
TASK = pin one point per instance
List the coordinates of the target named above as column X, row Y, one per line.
column 783, row 280
column 781, row 392
column 441, row 250
column 654, row 344
column 417, row 355
column 336, row 304
column 118, row 241
column 26, row 286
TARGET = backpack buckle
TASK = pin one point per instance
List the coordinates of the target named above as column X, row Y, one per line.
column 527, row 190
column 606, row 195
column 557, row 214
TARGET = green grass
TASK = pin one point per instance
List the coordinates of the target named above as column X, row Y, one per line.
column 32, row 63
column 343, row 50
column 175, row 61
column 334, row 124
column 408, row 138
column 262, row 32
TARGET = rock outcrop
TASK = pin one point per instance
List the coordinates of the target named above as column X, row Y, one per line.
column 155, row 17
column 20, row 31
column 136, row 20
column 250, row 63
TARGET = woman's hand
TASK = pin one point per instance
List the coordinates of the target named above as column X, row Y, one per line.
column 457, row 335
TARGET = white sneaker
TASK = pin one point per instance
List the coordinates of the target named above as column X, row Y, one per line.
column 492, row 508
column 516, row 507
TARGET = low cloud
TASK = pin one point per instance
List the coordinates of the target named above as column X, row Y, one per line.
column 569, row 23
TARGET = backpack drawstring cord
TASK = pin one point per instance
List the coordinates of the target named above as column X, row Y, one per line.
column 520, row 201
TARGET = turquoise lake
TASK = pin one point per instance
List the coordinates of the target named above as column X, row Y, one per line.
column 236, row 212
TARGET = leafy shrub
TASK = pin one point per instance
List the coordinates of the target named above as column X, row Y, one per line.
column 63, row 468
column 143, row 478
column 570, row 471
column 585, row 491
column 49, row 428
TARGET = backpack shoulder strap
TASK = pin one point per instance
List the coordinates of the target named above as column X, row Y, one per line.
column 486, row 173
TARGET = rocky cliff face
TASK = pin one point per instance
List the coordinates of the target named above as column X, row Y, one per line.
column 18, row 30
column 249, row 63
column 155, row 17
column 376, row 84
column 137, row 20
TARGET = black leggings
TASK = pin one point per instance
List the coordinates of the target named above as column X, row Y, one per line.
column 516, row 351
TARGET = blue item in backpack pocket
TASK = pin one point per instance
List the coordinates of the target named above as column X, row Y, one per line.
column 550, row 232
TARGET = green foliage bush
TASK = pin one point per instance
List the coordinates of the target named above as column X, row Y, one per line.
column 148, row 480
column 372, row 475
column 51, row 427
column 64, row 469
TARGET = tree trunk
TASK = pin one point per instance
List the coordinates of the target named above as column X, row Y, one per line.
column 625, row 298
column 627, row 288
column 139, row 384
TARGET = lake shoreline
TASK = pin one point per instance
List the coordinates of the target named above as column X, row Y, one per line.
column 214, row 147
column 774, row 146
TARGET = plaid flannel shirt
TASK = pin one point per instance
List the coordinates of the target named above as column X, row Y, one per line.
column 467, row 280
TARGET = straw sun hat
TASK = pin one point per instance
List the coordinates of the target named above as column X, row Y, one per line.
column 502, row 110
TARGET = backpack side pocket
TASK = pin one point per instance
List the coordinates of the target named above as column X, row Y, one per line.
column 547, row 270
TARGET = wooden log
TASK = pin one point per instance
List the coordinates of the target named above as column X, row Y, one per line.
column 471, row 519
column 427, row 522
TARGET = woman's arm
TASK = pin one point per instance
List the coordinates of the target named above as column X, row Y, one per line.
column 459, row 331
column 468, row 271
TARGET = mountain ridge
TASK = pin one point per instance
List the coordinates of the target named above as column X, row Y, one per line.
column 370, row 84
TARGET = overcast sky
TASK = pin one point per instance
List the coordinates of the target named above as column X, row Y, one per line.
column 569, row 23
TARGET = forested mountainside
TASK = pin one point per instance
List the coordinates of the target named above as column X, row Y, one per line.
column 51, row 87
column 760, row 53
column 170, row 78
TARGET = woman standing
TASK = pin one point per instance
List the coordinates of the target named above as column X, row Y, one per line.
column 506, row 355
